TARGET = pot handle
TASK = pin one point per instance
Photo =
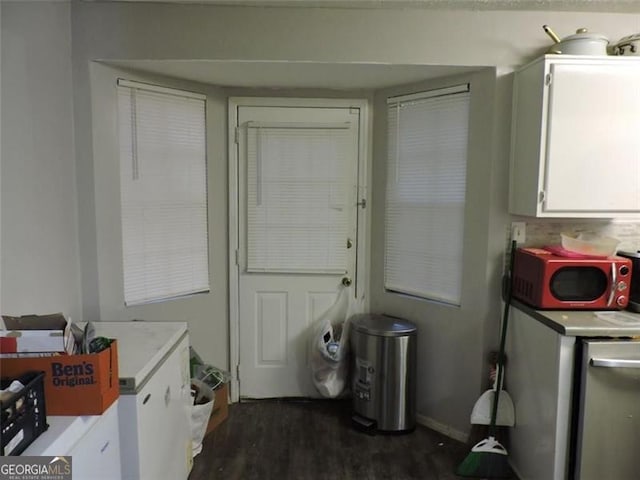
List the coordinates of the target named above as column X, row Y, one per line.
column 551, row 33
column 618, row 49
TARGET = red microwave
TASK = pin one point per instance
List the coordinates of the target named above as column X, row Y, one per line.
column 547, row 281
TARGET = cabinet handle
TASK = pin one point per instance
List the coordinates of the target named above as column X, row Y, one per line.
column 614, row 283
column 104, row 447
column 614, row 363
column 146, row 399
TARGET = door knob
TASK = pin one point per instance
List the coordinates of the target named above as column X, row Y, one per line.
column 346, row 281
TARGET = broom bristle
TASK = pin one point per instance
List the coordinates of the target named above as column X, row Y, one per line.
column 485, row 465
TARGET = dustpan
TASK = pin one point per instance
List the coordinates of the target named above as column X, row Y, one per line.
column 505, row 411
column 481, row 413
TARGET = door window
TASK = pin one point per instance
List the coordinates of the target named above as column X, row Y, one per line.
column 297, row 197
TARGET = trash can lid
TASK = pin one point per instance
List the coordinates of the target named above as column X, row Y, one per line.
column 382, row 325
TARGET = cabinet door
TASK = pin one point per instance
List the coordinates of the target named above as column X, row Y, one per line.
column 593, row 138
column 96, row 456
column 539, row 374
column 164, row 432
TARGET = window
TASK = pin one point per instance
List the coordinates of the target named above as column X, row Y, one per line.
column 163, row 192
column 425, row 195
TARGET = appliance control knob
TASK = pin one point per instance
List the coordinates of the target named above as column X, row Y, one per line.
column 621, row 300
column 622, row 286
column 624, row 270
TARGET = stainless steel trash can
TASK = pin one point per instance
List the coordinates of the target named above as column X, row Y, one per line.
column 383, row 366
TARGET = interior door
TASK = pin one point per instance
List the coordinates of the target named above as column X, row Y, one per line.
column 297, row 236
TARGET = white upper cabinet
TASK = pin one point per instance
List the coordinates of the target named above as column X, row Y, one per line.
column 575, row 144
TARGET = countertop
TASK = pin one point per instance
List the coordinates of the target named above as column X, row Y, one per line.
column 63, row 433
column 586, row 323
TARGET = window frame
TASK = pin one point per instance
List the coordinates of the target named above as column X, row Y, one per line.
column 204, row 283
column 423, row 292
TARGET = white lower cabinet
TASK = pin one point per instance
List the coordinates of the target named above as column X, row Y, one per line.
column 96, row 456
column 539, row 378
column 92, row 441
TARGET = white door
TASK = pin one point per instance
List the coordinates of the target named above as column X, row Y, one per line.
column 297, row 172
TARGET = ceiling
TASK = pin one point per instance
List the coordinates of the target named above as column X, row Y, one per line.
column 262, row 74
column 621, row 6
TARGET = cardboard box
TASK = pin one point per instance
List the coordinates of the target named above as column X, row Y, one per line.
column 220, row 410
column 73, row 384
column 36, row 334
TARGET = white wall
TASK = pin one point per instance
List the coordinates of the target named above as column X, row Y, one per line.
column 440, row 37
column 40, row 272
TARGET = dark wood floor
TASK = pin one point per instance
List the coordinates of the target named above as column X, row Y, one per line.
column 306, row 439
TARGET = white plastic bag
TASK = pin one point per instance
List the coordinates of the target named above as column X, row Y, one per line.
column 329, row 347
column 200, row 415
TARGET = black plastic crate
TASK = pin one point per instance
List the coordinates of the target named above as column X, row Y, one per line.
column 24, row 415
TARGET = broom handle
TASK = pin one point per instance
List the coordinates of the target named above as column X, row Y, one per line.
column 503, row 339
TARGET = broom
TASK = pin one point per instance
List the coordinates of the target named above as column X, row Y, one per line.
column 488, row 458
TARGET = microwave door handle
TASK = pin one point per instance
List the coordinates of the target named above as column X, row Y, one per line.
column 614, row 362
column 614, row 284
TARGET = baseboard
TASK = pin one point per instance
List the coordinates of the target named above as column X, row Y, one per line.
column 442, row 428
column 515, row 470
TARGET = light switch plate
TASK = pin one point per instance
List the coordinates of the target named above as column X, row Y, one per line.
column 518, row 231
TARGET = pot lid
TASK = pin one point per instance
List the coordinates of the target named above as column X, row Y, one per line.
column 382, row 325
column 583, row 34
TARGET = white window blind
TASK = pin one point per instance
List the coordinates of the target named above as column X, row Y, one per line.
column 297, row 191
column 425, row 195
column 163, row 192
